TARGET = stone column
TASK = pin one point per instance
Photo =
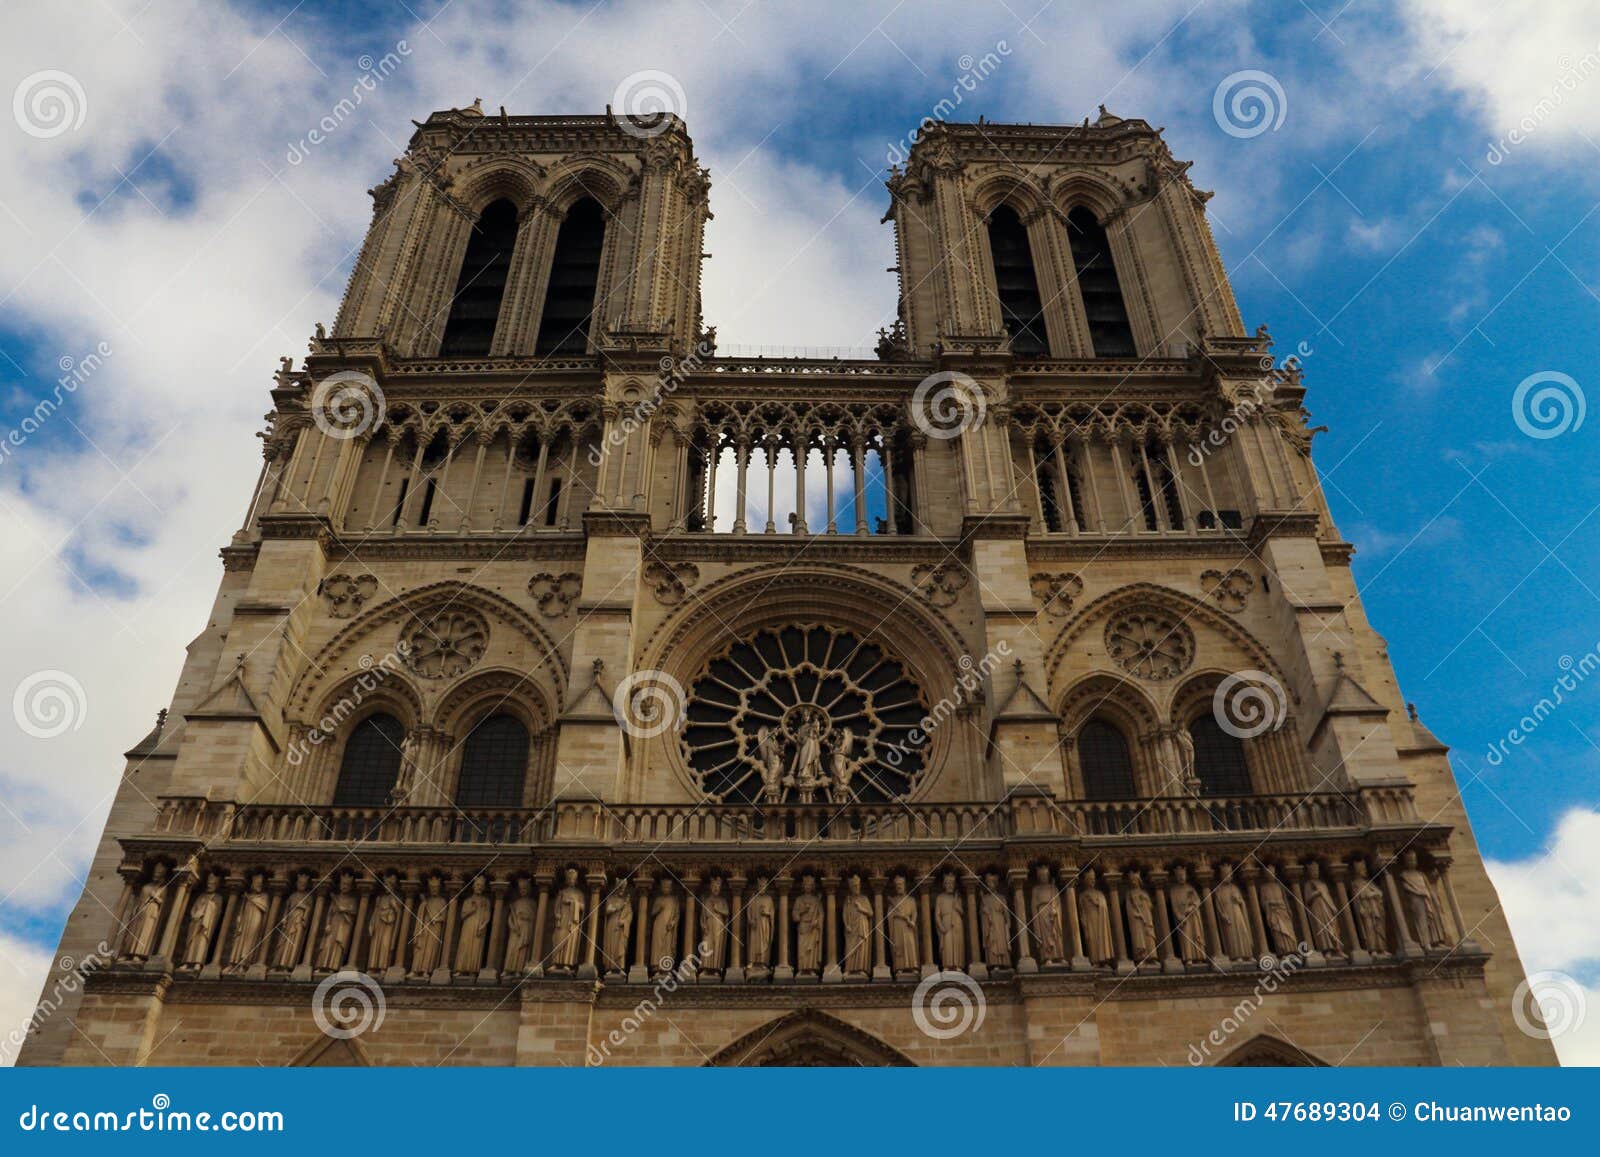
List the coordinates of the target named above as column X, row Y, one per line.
column 1018, row 879
column 880, row 944
column 1203, row 877
column 925, row 922
column 353, row 949
column 1339, row 871
column 544, row 878
column 784, row 970
column 1075, row 956
column 1406, row 940
column 588, row 970
column 689, row 956
column 1114, row 901
column 977, row 967
column 232, row 886
column 640, row 972
column 494, row 951
column 1164, row 938
column 734, row 973
column 1441, row 867
column 1258, row 931
column 176, row 908
column 831, row 973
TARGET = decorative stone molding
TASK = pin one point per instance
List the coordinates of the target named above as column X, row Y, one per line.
column 940, row 583
column 345, row 594
column 1150, row 642
column 671, row 582
column 555, row 592
column 445, row 644
column 1230, row 589
column 1056, row 592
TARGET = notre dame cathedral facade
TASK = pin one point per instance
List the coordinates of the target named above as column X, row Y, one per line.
column 575, row 694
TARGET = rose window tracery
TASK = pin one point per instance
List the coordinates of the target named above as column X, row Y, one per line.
column 805, row 713
column 446, row 643
column 1150, row 643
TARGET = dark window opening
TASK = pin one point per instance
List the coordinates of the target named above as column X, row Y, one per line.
column 527, row 502
column 1021, row 311
column 574, row 273
column 494, row 763
column 469, row 332
column 1109, row 331
column 400, row 503
column 1046, row 478
column 427, row 502
column 371, row 762
column 1219, row 759
column 553, row 503
column 1168, row 482
column 1141, row 485
column 1105, row 762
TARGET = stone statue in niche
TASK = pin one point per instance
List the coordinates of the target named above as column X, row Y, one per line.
column 1422, row 908
column 807, row 917
column 519, row 927
column 994, row 923
column 619, row 922
column 249, row 924
column 715, row 912
column 410, row 751
column 1047, row 917
column 1370, row 915
column 770, row 752
column 857, row 929
column 383, row 928
column 1275, row 913
column 569, row 909
column 665, row 913
column 472, row 929
column 1188, row 927
column 146, row 917
column 338, row 927
column 1094, row 917
column 1183, row 742
column 843, row 765
column 760, row 918
column 902, row 917
column 949, row 920
column 293, row 924
column 807, row 774
column 1233, row 918
column 1141, row 919
column 1323, row 913
column 203, row 916
column 427, row 940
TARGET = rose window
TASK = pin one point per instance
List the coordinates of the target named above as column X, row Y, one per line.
column 805, row 714
column 1151, row 644
column 445, row 644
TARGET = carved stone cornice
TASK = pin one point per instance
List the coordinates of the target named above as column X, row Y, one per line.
column 1090, row 547
column 741, row 548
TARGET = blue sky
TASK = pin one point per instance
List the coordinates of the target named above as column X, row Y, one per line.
column 1424, row 278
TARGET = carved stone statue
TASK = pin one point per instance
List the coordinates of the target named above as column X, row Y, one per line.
column 806, row 913
column 994, row 922
column 1422, row 909
column 619, row 922
column 249, row 924
column 1233, row 918
column 383, row 928
column 1323, row 912
column 338, row 927
column 715, row 913
column 1047, row 917
column 568, row 936
column 842, row 765
column 293, row 923
column 1094, row 917
column 1141, row 919
column 203, row 916
column 472, row 928
column 770, row 751
column 761, row 916
column 665, row 912
column 1183, row 742
column 902, row 917
column 407, row 775
column 145, row 919
column 950, row 921
column 1188, row 927
column 519, row 927
column 857, row 929
column 427, row 940
column 1370, row 914
column 807, row 771
column 1275, row 913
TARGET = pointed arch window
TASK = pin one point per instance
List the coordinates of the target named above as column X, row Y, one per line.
column 1105, row 761
column 494, row 764
column 574, row 275
column 475, row 309
column 1021, row 310
column 371, row 762
column 1219, row 759
column 1109, row 331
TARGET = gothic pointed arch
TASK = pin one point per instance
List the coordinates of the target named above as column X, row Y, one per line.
column 809, row 1038
column 1266, row 1051
column 516, row 179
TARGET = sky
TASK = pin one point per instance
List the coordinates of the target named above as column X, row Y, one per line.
column 1407, row 194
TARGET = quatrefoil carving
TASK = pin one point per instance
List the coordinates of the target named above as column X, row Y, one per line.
column 670, row 582
column 939, row 583
column 1229, row 588
column 345, row 593
column 1055, row 592
column 555, row 592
